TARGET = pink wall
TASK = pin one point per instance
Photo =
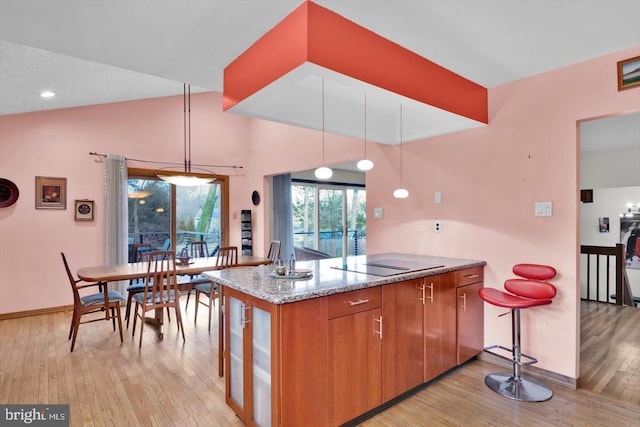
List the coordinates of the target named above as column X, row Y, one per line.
column 490, row 179
column 56, row 143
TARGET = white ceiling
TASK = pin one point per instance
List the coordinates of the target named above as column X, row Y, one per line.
column 621, row 131
column 99, row 51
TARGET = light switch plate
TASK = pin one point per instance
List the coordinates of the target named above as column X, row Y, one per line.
column 437, row 197
column 378, row 213
column 544, row 209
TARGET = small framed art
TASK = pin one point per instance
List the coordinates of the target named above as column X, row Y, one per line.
column 51, row 193
column 629, row 73
column 83, row 210
column 603, row 224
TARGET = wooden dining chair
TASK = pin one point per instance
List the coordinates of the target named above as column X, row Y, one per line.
column 105, row 301
column 139, row 253
column 274, row 251
column 227, row 257
column 197, row 249
column 160, row 290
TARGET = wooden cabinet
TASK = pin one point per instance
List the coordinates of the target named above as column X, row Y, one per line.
column 325, row 361
column 354, row 351
column 470, row 314
column 439, row 299
column 402, row 337
column 251, row 364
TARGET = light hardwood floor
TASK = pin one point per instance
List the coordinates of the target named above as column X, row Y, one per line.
column 169, row 383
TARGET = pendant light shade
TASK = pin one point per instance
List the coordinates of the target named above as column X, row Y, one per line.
column 401, row 193
column 365, row 164
column 187, row 178
column 323, row 172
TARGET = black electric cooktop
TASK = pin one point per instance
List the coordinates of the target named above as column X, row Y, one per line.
column 385, row 267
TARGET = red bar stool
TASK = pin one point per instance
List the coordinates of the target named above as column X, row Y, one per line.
column 529, row 292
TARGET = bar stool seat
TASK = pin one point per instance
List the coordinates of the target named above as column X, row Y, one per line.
column 532, row 291
column 503, row 299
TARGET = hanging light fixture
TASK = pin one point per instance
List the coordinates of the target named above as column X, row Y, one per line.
column 401, row 193
column 365, row 164
column 186, row 178
column 323, row 172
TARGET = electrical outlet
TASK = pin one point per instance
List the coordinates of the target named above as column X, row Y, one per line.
column 437, row 227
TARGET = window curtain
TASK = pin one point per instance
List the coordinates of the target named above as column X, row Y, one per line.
column 115, row 213
column 283, row 215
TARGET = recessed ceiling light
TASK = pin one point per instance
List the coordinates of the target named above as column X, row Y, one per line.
column 47, row 94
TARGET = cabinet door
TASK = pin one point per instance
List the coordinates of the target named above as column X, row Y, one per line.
column 250, row 329
column 439, row 324
column 470, row 322
column 235, row 335
column 402, row 339
column 354, row 365
column 261, row 366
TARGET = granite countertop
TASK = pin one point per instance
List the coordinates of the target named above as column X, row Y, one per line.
column 327, row 280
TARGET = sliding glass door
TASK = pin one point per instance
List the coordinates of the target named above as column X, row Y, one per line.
column 331, row 219
column 170, row 217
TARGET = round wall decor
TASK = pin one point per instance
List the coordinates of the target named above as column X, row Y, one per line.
column 255, row 198
column 8, row 193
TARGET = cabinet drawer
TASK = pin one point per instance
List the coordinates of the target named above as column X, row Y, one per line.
column 470, row 275
column 354, row 301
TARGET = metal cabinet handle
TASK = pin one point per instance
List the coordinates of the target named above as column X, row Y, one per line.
column 464, row 302
column 243, row 314
column 430, row 291
column 422, row 289
column 360, row 301
column 472, row 276
column 379, row 332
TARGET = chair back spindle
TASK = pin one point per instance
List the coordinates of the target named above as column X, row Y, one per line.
column 227, row 256
column 274, row 250
column 199, row 249
column 140, row 251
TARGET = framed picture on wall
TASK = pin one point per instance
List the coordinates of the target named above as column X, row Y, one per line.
column 629, row 73
column 83, row 210
column 51, row 193
column 603, row 224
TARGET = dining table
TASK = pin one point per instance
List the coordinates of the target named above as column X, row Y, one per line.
column 138, row 270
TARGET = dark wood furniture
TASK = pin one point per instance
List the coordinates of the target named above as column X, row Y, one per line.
column 227, row 257
column 103, row 301
column 160, row 291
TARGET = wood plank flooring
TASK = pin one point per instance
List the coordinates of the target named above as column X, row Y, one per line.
column 171, row 383
column 610, row 350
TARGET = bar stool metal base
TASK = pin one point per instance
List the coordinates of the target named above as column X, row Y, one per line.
column 525, row 389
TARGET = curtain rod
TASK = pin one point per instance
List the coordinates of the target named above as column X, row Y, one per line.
column 93, row 153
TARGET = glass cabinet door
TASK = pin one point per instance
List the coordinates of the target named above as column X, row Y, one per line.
column 235, row 315
column 261, row 348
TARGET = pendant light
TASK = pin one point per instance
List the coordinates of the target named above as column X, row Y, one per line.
column 401, row 193
column 187, row 178
column 365, row 164
column 323, row 172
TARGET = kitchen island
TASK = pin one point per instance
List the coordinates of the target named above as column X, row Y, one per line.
column 359, row 333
